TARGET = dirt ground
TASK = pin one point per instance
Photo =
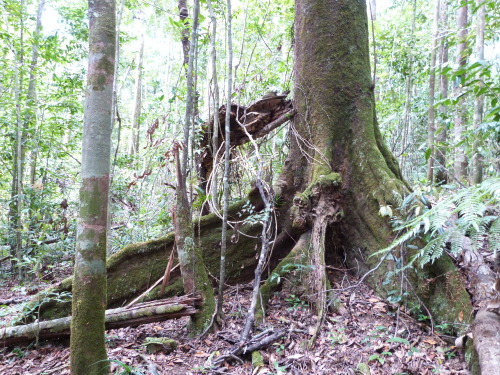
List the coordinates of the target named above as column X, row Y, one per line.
column 366, row 336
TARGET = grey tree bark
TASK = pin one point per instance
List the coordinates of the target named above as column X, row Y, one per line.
column 216, row 102
column 431, row 129
column 460, row 164
column 136, row 120
column 31, row 110
column 88, row 352
column 227, row 156
column 442, row 136
column 194, row 274
column 477, row 159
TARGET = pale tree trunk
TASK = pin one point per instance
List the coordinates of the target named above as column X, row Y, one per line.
column 216, row 101
column 31, row 104
column 115, row 112
column 431, row 130
column 373, row 9
column 409, row 98
column 183, row 13
column 442, row 136
column 227, row 147
column 460, row 164
column 477, row 161
column 88, row 352
column 194, row 274
column 17, row 181
column 136, row 120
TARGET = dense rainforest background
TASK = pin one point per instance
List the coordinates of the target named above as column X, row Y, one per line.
column 363, row 160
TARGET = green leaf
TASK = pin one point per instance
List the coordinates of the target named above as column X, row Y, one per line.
column 428, row 153
column 399, row 339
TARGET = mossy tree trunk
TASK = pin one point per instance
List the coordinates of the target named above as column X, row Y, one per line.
column 88, row 352
column 339, row 173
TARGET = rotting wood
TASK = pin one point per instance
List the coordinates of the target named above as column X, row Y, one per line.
column 486, row 330
column 148, row 312
column 486, row 326
column 259, row 118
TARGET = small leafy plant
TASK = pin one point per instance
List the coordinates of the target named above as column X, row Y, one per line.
column 468, row 213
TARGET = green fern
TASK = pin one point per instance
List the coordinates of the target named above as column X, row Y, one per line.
column 467, row 213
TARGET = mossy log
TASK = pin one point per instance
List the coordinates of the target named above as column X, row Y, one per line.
column 148, row 312
column 137, row 266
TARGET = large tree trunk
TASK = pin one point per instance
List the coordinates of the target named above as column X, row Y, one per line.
column 339, row 173
column 88, row 351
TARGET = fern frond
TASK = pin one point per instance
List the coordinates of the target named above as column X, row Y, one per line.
column 462, row 214
column 494, row 241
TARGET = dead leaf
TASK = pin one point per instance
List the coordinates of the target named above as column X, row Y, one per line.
column 295, row 356
column 461, row 316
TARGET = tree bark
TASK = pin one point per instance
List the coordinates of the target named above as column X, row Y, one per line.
column 214, row 191
column 183, row 14
column 407, row 120
column 194, row 274
column 143, row 313
column 477, row 159
column 486, row 331
column 16, row 209
column 88, row 353
column 339, row 171
column 442, row 136
column 227, row 157
column 431, row 130
column 460, row 165
column 136, row 121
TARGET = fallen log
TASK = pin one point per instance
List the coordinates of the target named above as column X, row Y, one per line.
column 486, row 337
column 486, row 326
column 143, row 313
column 133, row 269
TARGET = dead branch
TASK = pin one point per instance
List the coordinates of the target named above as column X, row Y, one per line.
column 257, row 342
column 148, row 312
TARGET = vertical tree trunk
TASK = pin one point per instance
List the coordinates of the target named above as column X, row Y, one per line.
column 194, row 274
column 183, row 13
column 336, row 128
column 477, row 163
column 373, row 10
column 216, row 102
column 227, row 147
column 442, row 136
column 409, row 97
column 136, row 121
column 115, row 112
column 339, row 175
column 432, row 85
column 88, row 352
column 460, row 165
column 31, row 103
column 19, row 150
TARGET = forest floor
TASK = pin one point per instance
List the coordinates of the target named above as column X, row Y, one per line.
column 368, row 336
